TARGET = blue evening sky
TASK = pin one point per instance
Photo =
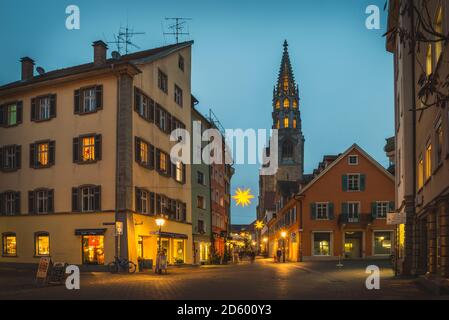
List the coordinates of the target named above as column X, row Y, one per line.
column 345, row 74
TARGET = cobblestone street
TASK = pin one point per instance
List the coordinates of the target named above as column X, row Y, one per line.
column 262, row 280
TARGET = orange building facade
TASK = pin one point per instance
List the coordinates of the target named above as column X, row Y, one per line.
column 341, row 212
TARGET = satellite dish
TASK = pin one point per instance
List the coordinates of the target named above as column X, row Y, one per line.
column 40, row 70
column 116, row 55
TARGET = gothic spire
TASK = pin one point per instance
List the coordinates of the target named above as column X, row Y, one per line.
column 286, row 80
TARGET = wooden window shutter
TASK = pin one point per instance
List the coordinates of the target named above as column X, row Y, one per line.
column 31, row 202
column 138, row 198
column 157, row 115
column 2, row 204
column 75, row 199
column 2, row 116
column 374, row 210
column 362, row 182
column 52, row 152
column 168, row 127
column 313, row 211
column 151, row 110
column 18, row 152
column 97, row 195
column 152, row 203
column 137, row 150
column 344, row 209
column 99, row 97
column 1, row 158
column 76, row 150
column 137, row 100
column 19, row 112
column 33, row 155
column 17, row 202
column 158, row 159
column 77, row 101
column 51, row 203
column 344, row 182
column 98, row 147
column 392, row 206
column 33, row 109
column 331, row 211
column 53, row 106
column 151, row 157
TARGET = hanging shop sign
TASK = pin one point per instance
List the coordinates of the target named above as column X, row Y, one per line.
column 395, row 218
column 119, row 228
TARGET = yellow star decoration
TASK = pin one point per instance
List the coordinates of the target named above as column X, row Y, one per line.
column 259, row 225
column 243, row 197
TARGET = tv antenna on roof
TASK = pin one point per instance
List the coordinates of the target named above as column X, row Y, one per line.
column 177, row 28
column 123, row 39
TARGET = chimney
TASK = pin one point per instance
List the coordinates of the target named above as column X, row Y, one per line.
column 100, row 49
column 27, row 68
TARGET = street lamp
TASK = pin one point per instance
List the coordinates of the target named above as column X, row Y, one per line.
column 160, row 223
column 283, row 236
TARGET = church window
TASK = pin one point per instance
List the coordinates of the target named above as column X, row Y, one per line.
column 278, row 124
column 286, row 103
column 278, row 104
column 294, row 124
column 287, row 149
column 286, row 122
column 285, row 83
column 295, row 104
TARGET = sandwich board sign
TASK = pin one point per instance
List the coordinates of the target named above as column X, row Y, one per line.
column 43, row 268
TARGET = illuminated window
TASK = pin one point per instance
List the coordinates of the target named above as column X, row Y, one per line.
column 286, row 122
column 88, row 148
column 428, row 161
column 9, row 244
column 321, row 243
column 295, row 104
column 278, row 104
column 11, row 115
column 42, row 154
column 420, row 173
column 42, row 241
column 278, row 124
column 179, row 171
column 439, row 29
column 93, row 249
column 143, row 152
column 382, row 243
column 294, row 123
column 285, row 82
column 163, row 162
column 286, row 103
column 429, row 62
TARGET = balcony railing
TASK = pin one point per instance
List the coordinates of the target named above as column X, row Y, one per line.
column 361, row 218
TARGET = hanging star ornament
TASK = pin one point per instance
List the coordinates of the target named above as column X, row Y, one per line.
column 243, row 197
column 259, row 225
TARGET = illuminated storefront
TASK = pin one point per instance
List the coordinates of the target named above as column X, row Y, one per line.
column 382, row 242
column 42, row 241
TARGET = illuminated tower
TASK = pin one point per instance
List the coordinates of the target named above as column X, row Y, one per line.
column 287, row 119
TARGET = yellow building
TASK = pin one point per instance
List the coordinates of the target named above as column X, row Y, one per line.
column 85, row 147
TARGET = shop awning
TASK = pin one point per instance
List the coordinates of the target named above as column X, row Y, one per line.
column 90, row 232
column 171, row 235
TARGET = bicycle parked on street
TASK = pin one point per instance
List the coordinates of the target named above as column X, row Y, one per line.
column 120, row 264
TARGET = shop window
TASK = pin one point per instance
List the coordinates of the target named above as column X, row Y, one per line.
column 140, row 247
column 382, row 243
column 321, row 243
column 179, row 251
column 42, row 242
column 93, row 250
column 9, row 244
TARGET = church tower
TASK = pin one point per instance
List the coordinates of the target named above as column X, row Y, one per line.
column 287, row 119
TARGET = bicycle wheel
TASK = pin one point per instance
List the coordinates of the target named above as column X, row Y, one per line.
column 113, row 267
column 132, row 267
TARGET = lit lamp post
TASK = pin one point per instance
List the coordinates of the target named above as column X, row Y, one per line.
column 160, row 223
column 283, row 236
column 265, row 240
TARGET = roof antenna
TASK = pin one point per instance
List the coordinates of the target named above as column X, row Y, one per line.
column 123, row 39
column 177, row 28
